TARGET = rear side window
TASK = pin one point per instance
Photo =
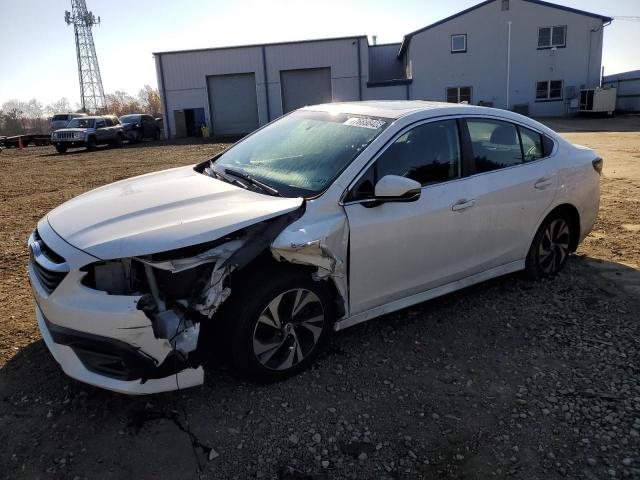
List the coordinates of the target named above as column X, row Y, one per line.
column 60, row 117
column 108, row 122
column 547, row 145
column 532, row 146
column 429, row 153
column 495, row 144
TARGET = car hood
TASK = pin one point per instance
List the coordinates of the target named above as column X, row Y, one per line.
column 159, row 212
column 73, row 130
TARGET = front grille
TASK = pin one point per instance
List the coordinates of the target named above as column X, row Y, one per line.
column 50, row 254
column 48, row 277
column 64, row 135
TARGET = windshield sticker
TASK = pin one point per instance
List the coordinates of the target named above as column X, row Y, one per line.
column 372, row 123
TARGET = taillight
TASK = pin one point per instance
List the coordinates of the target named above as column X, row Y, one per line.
column 597, row 165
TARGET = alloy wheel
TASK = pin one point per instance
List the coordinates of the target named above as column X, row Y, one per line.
column 288, row 329
column 553, row 248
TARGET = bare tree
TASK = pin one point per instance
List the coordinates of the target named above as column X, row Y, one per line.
column 59, row 106
column 150, row 100
column 14, row 113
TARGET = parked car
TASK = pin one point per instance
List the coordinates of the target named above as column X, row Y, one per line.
column 328, row 217
column 89, row 132
column 60, row 120
column 139, row 126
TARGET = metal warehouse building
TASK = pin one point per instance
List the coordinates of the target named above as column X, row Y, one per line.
column 628, row 90
column 527, row 55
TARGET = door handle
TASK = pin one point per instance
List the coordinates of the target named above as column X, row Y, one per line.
column 542, row 183
column 462, row 205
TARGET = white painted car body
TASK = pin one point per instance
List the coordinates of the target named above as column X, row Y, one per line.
column 457, row 233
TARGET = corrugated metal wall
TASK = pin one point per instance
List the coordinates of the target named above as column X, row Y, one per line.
column 628, row 86
column 384, row 63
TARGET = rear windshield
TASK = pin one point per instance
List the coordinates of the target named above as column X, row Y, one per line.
column 60, row 117
column 81, row 123
column 303, row 152
column 130, row 118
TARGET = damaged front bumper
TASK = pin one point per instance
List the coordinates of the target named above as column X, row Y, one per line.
column 106, row 363
column 101, row 339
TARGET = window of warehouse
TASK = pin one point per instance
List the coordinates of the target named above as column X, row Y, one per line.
column 459, row 43
column 549, row 90
column 549, row 37
column 459, row 94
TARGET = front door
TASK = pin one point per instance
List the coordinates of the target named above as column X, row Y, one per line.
column 399, row 249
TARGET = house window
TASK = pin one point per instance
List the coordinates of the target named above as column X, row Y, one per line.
column 549, row 37
column 505, row 5
column 549, row 90
column 459, row 94
column 459, row 43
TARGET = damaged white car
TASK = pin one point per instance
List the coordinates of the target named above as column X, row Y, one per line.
column 327, row 217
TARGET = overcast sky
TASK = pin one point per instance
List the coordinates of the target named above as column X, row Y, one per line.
column 38, row 50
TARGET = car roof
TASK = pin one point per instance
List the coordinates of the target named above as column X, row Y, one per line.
column 395, row 109
column 388, row 108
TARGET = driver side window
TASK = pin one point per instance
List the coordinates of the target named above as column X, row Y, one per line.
column 100, row 124
column 428, row 153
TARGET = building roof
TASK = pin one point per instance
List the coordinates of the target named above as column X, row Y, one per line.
column 407, row 37
column 352, row 37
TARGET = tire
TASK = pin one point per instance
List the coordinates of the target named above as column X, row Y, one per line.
column 270, row 340
column 156, row 136
column 119, row 142
column 61, row 148
column 91, row 144
column 550, row 248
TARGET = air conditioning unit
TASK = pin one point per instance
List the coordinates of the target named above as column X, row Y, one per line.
column 598, row 100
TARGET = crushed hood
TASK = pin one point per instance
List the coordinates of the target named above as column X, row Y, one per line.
column 159, row 212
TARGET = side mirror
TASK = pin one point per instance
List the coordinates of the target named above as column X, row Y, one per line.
column 394, row 188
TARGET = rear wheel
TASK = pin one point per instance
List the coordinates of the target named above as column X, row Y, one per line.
column 550, row 248
column 278, row 328
column 61, row 148
column 156, row 135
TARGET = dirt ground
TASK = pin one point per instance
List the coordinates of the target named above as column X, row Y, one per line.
column 507, row 379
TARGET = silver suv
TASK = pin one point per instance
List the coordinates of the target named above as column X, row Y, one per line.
column 89, row 132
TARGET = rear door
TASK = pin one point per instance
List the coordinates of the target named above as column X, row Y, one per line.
column 510, row 186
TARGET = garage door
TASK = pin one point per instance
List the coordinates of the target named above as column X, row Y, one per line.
column 233, row 102
column 305, row 87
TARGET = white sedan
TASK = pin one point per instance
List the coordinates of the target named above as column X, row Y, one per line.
column 328, row 217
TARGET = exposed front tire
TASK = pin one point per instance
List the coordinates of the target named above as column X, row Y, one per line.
column 550, row 248
column 61, row 148
column 278, row 327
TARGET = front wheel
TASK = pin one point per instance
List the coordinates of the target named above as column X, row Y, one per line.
column 278, row 328
column 550, row 248
column 119, row 141
column 61, row 148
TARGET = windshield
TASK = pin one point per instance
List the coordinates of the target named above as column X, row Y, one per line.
column 302, row 153
column 81, row 123
column 130, row 119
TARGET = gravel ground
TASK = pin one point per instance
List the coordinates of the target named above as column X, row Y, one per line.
column 507, row 379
